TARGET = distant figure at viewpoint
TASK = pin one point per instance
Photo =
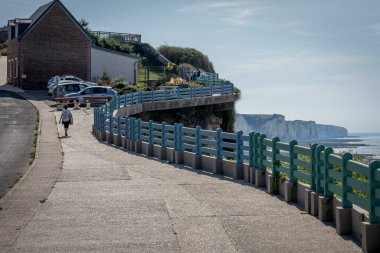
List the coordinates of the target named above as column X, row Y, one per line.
column 66, row 118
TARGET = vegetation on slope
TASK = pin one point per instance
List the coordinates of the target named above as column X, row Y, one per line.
column 179, row 55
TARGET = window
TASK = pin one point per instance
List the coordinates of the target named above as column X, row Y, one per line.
column 88, row 91
column 100, row 90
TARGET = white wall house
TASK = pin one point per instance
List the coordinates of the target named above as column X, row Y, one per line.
column 113, row 63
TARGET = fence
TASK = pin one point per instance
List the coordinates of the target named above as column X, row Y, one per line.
column 120, row 37
column 317, row 166
column 165, row 95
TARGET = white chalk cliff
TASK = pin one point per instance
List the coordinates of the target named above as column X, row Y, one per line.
column 276, row 126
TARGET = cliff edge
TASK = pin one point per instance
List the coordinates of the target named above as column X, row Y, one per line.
column 276, row 126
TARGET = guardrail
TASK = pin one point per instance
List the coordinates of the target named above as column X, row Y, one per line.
column 165, row 95
column 253, row 156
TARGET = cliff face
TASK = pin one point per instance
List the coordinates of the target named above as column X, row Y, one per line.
column 276, row 126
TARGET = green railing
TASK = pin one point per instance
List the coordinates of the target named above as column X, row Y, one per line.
column 326, row 173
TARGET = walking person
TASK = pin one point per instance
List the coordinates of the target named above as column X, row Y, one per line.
column 66, row 118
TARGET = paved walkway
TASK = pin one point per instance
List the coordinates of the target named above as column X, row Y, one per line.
column 108, row 200
column 22, row 202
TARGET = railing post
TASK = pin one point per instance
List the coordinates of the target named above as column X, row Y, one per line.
column 140, row 97
column 256, row 158
column 219, row 156
column 326, row 168
column 127, row 128
column 119, row 126
column 139, row 131
column 374, row 186
column 252, row 149
column 180, row 137
column 150, row 132
column 346, row 173
column 221, row 90
column 318, row 168
column 166, row 94
column 198, row 140
column 132, row 103
column 125, row 100
column 163, row 135
column 176, row 140
column 313, row 166
column 152, row 95
column 275, row 151
column 261, row 154
column 110, row 123
column 292, row 157
column 239, row 146
column 178, row 153
column 137, row 135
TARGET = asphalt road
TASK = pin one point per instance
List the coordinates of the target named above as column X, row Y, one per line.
column 17, row 124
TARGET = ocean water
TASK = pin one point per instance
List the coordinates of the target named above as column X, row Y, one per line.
column 362, row 143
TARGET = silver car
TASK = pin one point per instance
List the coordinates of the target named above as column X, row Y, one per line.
column 62, row 89
column 93, row 92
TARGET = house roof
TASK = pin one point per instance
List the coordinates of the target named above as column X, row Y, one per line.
column 40, row 11
column 43, row 10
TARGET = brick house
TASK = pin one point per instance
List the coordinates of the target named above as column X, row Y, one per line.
column 52, row 42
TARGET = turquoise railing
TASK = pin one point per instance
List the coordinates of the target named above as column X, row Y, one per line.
column 326, row 173
column 165, row 95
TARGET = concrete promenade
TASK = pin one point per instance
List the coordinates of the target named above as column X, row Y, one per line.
column 106, row 200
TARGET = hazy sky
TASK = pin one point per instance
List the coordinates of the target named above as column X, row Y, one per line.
column 308, row 60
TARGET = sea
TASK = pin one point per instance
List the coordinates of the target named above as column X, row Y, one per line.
column 367, row 144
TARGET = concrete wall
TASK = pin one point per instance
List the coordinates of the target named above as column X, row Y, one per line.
column 113, row 63
column 172, row 104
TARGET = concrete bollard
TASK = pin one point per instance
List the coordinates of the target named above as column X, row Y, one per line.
column 238, row 172
column 314, row 203
column 307, row 201
column 290, row 191
column 370, row 237
column 76, row 105
column 343, row 221
column 178, row 157
column 271, row 183
column 88, row 104
column 124, row 142
column 325, row 208
column 251, row 175
column 196, row 162
column 260, row 179
column 138, row 147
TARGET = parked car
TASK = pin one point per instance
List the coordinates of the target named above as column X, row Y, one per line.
column 62, row 89
column 93, row 92
column 53, row 85
column 55, row 79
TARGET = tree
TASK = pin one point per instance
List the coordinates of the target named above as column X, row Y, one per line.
column 191, row 56
column 84, row 24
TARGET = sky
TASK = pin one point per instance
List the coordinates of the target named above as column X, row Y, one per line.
column 307, row 60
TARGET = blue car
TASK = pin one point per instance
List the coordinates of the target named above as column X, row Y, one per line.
column 93, row 91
